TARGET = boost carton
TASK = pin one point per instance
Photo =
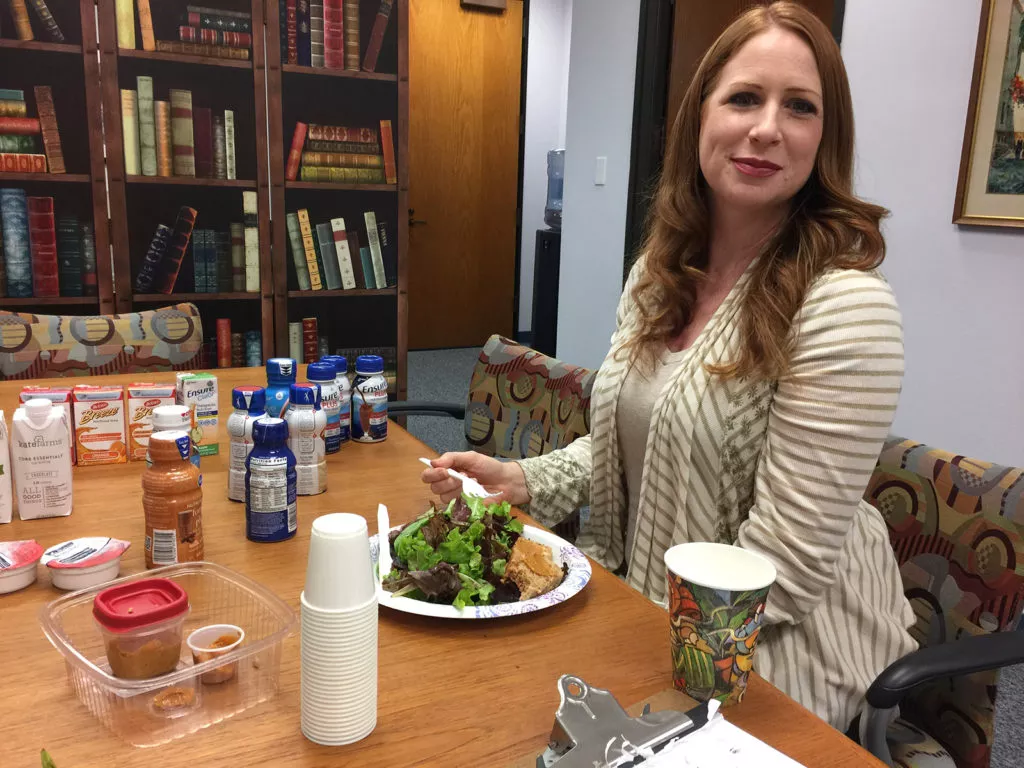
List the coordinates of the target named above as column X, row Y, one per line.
column 99, row 424
column 142, row 399
column 198, row 391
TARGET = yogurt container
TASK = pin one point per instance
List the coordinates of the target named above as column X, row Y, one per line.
column 86, row 562
column 18, row 564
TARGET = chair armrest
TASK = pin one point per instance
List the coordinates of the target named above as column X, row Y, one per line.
column 427, row 408
column 960, row 657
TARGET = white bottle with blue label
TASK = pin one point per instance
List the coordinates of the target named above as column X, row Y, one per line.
column 249, row 404
column 369, row 401
column 307, row 423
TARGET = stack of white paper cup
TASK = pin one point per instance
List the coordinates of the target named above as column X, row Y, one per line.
column 339, row 633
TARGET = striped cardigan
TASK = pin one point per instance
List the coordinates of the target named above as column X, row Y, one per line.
column 777, row 467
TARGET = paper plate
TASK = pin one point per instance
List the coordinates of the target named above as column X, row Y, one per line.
column 562, row 551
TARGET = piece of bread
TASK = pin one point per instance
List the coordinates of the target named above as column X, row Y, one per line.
column 532, row 569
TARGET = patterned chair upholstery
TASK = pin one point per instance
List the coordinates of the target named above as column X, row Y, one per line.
column 956, row 527
column 41, row 346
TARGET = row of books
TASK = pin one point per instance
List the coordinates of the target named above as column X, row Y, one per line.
column 232, row 349
column 339, row 154
column 222, row 261
column 330, row 255
column 20, row 134
column 325, row 33
column 202, row 31
column 388, row 354
column 170, row 138
column 43, row 254
column 23, row 25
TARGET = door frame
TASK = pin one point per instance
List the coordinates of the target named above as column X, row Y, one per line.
column 516, row 286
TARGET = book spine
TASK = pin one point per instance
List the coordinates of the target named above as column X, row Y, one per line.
column 345, row 147
column 352, row 46
column 13, row 108
column 302, row 13
column 237, row 351
column 295, row 153
column 253, row 349
column 162, row 125
column 223, row 342
column 328, row 255
column 88, row 261
column 202, row 49
column 171, row 263
column 237, row 256
column 220, row 149
column 214, row 37
column 341, row 133
column 150, row 269
column 229, row 143
column 298, row 254
column 378, row 257
column 12, row 94
column 69, row 256
column 295, row 341
column 390, row 253
column 146, row 25
column 212, row 262
column 309, row 251
column 3, row 266
column 203, row 127
column 380, row 25
column 316, row 33
column 19, row 125
column 20, row 13
column 251, row 239
column 342, row 253
column 367, row 261
column 387, row 142
column 48, row 126
column 220, row 19
column 342, row 160
column 52, row 28
column 130, row 130
column 12, row 162
column 357, row 262
column 42, row 235
column 182, row 139
column 147, row 126
column 342, row 175
column 17, row 251
column 18, row 144
column 334, row 34
column 222, row 243
column 197, row 246
column 125, row 10
column 292, row 21
column 310, row 339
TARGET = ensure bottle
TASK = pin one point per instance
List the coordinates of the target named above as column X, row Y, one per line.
column 323, row 375
column 369, row 400
column 270, row 483
column 280, row 377
column 249, row 404
column 344, row 395
column 172, row 418
column 306, row 425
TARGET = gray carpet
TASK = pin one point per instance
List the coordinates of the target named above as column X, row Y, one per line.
column 443, row 376
column 440, row 375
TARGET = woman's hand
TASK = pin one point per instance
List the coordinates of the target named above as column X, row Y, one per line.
column 505, row 478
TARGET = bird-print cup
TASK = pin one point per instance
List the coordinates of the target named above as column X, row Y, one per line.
column 717, row 596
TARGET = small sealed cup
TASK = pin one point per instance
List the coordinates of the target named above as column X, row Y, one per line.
column 86, row 562
column 18, row 564
column 212, row 641
column 142, row 625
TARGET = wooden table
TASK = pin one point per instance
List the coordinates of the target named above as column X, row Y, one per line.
column 450, row 693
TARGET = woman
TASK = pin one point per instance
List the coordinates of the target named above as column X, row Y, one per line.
column 755, row 369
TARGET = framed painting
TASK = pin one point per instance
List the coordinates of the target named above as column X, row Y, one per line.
column 990, row 188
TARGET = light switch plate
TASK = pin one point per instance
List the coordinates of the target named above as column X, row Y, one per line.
column 600, row 171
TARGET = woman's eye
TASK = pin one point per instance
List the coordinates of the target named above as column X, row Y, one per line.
column 803, row 107
column 743, row 99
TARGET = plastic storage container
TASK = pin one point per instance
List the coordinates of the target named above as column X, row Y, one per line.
column 129, row 708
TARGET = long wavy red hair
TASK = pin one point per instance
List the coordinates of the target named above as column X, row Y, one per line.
column 827, row 227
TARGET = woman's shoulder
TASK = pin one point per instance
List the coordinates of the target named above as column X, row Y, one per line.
column 850, row 291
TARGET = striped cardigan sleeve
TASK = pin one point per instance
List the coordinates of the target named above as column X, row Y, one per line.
column 559, row 482
column 831, row 413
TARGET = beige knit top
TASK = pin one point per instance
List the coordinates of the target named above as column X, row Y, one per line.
column 778, row 467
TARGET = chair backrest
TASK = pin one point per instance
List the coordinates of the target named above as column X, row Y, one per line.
column 956, row 527
column 523, row 403
column 39, row 346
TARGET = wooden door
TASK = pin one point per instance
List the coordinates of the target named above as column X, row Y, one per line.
column 464, row 79
column 697, row 25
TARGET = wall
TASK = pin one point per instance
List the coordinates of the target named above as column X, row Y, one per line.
column 547, row 83
column 599, row 123
column 959, row 288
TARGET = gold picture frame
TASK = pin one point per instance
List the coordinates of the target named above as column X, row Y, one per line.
column 990, row 186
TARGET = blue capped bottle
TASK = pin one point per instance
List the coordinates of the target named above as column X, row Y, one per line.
column 270, row 483
column 280, row 377
column 307, row 423
column 249, row 404
column 344, row 396
column 323, row 374
column 369, row 400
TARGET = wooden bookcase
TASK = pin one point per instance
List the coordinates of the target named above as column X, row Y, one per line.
column 267, row 98
column 72, row 70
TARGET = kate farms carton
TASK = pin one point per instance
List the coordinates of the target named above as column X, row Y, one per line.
column 198, row 391
column 142, row 399
column 58, row 396
column 99, row 424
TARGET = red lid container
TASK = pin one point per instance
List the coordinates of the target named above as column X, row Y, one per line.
column 139, row 604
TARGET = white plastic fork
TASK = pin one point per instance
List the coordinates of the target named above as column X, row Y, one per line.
column 469, row 486
column 383, row 547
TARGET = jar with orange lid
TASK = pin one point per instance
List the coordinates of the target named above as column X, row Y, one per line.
column 172, row 498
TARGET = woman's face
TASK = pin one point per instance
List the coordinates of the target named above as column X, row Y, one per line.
column 761, row 125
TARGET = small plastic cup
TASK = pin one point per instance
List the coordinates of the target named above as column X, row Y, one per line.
column 339, row 574
column 212, row 641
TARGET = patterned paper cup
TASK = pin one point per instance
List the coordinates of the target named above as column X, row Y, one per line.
column 717, row 595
